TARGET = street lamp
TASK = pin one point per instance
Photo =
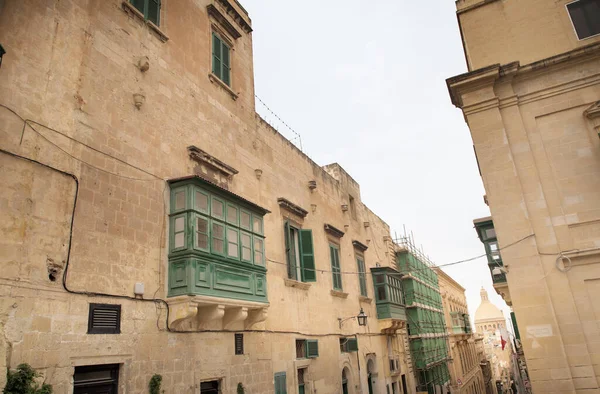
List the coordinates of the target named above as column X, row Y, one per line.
column 361, row 318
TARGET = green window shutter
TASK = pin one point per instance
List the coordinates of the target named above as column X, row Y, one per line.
column 291, row 263
column 153, row 12
column 280, row 383
column 307, row 256
column 515, row 327
column 362, row 277
column 352, row 345
column 312, row 348
column 226, row 66
column 216, row 55
column 335, row 267
column 139, row 5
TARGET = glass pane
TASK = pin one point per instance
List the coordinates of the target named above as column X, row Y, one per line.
column 379, row 279
column 257, row 224
column 258, row 251
column 179, row 240
column 217, row 208
column 232, row 250
column 218, row 231
column 246, row 254
column 232, row 243
column 490, row 233
column 217, row 245
column 381, row 293
column 201, row 241
column 245, row 220
column 139, row 5
column 179, row 224
column 245, row 240
column 180, row 200
column 201, row 202
column 232, row 214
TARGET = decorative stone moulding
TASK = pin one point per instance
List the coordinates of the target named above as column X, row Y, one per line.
column 211, row 168
column 196, row 313
column 344, row 207
column 293, row 208
column 258, row 172
column 139, row 99
column 366, row 224
column 223, row 21
column 312, row 185
column 360, row 246
column 390, row 326
column 593, row 114
column 144, row 64
column 235, row 15
column 329, row 229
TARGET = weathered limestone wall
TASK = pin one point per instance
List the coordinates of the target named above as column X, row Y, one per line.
column 71, row 66
column 500, row 32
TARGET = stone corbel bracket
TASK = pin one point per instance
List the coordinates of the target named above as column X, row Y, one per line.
column 593, row 114
column 197, row 313
column 390, row 326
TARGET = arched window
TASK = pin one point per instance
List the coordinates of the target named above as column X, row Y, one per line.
column 344, row 381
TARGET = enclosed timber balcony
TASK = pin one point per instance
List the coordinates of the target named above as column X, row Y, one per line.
column 389, row 299
column 217, row 275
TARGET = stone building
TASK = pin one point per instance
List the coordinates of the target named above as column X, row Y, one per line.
column 152, row 223
column 489, row 321
column 465, row 370
column 486, row 367
column 531, row 101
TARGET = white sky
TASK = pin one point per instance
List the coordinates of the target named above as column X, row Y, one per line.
column 363, row 82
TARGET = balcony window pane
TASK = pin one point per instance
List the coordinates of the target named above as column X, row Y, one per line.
column 218, row 238
column 232, row 214
column 246, row 247
column 202, row 233
column 217, row 208
column 232, row 243
column 258, row 251
column 180, row 200
column 201, row 202
column 245, row 220
column 257, row 224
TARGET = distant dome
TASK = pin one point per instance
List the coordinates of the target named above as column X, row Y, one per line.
column 486, row 310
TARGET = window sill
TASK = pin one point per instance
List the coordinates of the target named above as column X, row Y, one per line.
column 131, row 10
column 339, row 294
column 364, row 299
column 216, row 80
column 296, row 284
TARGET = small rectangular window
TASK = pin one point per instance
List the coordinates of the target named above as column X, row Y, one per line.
column 211, row 387
column 104, row 319
column 257, row 224
column 179, row 199
column 280, row 383
column 232, row 214
column 300, row 348
column 217, row 208
column 585, row 15
column 150, row 9
column 301, row 377
column 312, row 348
column 178, row 224
column 245, row 220
column 201, row 201
column 352, row 204
column 362, row 276
column 96, row 379
column 239, row 343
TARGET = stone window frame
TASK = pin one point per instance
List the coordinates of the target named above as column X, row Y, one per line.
column 221, row 27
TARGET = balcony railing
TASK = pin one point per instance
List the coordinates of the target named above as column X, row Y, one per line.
column 388, row 293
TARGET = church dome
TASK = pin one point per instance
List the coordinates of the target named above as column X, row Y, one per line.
column 486, row 310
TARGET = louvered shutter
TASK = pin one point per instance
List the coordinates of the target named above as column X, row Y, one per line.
column 225, row 61
column 291, row 263
column 104, row 319
column 216, row 54
column 312, row 348
column 308, row 256
column 352, row 345
column 280, row 383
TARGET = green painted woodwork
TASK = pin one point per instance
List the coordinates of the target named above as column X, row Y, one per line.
column 513, row 318
column 437, row 375
column 349, row 345
column 312, row 348
column 362, row 276
column 213, row 249
column 280, row 383
column 334, row 255
column 150, row 9
column 221, row 67
column 305, row 255
column 388, row 293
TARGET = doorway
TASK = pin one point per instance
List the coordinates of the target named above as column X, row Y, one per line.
column 96, row 379
column 344, row 381
column 404, row 388
column 371, row 376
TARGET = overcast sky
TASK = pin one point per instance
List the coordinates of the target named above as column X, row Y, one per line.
column 363, row 82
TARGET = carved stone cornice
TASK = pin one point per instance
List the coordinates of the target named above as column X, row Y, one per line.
column 593, row 112
column 359, row 245
column 293, row 208
column 236, row 16
column 223, row 21
column 211, row 168
column 329, row 229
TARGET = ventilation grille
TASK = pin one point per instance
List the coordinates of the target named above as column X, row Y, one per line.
column 104, row 319
column 239, row 343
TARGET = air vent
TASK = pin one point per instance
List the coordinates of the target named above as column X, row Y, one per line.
column 239, row 343
column 104, row 319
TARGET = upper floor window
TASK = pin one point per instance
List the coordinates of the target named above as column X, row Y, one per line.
column 334, row 251
column 299, row 253
column 150, row 9
column 585, row 15
column 221, row 66
column 362, row 275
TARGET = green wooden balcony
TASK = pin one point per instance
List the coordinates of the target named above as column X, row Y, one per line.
column 388, row 293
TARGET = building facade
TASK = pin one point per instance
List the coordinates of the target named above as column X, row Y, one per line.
column 152, row 223
column 489, row 323
column 465, row 370
column 486, row 367
column 531, row 101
